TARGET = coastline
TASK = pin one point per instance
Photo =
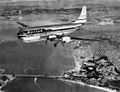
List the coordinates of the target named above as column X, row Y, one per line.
column 83, row 84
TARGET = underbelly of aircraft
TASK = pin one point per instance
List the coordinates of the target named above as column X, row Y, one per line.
column 32, row 39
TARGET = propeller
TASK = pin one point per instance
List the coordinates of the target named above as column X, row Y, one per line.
column 55, row 44
column 59, row 39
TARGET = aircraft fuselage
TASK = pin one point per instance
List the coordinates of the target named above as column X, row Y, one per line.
column 40, row 33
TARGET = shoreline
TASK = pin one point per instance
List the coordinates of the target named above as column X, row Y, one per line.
column 91, row 86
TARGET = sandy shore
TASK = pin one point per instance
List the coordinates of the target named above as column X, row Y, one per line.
column 83, row 84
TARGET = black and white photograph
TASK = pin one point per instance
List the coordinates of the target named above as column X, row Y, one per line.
column 59, row 45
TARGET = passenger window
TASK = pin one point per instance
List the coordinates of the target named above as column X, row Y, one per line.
column 36, row 31
column 41, row 30
column 32, row 31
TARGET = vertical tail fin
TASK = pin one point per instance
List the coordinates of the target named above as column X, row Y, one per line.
column 83, row 16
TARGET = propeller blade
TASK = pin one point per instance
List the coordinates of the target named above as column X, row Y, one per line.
column 62, row 43
column 46, row 42
column 55, row 44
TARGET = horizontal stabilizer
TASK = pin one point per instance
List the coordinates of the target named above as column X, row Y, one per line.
column 22, row 24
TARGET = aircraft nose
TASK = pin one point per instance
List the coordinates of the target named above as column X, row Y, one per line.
column 19, row 37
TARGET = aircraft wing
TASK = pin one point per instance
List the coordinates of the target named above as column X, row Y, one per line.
column 22, row 24
column 84, row 39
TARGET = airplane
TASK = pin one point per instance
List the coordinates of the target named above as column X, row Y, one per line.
column 55, row 32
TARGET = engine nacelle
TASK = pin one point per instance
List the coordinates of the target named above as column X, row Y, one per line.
column 52, row 36
column 66, row 39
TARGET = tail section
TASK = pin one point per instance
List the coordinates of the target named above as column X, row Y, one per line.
column 22, row 24
column 83, row 16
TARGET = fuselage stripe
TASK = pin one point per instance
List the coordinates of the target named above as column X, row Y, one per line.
column 47, row 31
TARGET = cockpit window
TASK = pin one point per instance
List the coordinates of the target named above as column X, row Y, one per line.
column 22, row 32
column 25, row 31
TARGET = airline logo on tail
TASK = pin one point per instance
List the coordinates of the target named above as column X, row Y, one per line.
column 83, row 16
